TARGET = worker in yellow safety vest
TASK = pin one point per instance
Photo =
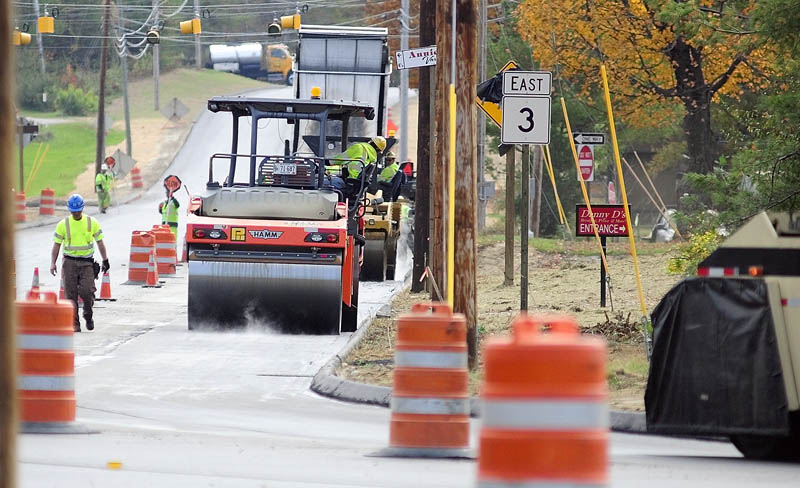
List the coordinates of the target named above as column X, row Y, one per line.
column 356, row 157
column 78, row 233
column 169, row 212
column 102, row 186
column 390, row 178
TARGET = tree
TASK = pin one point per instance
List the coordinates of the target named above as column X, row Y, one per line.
column 661, row 55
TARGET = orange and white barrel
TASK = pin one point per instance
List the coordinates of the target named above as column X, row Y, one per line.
column 545, row 418
column 47, row 203
column 142, row 245
column 46, row 381
column 19, row 207
column 430, row 400
column 166, row 255
column 136, row 177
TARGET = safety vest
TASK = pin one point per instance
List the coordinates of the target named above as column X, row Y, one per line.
column 78, row 236
column 362, row 151
column 169, row 212
column 103, row 181
column 388, row 172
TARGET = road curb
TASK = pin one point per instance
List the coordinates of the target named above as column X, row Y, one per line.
column 328, row 384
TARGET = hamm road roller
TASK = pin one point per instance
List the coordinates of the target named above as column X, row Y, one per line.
column 277, row 244
column 726, row 345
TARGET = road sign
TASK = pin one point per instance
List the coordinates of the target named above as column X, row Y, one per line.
column 612, row 193
column 486, row 190
column 586, row 161
column 416, row 58
column 174, row 110
column 610, row 220
column 527, row 83
column 124, row 164
column 526, row 120
column 595, row 138
column 491, row 109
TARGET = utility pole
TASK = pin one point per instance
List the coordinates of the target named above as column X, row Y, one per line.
column 101, row 97
column 425, row 138
column 536, row 212
column 466, row 194
column 156, row 64
column 526, row 200
column 404, row 20
column 510, row 227
column 39, row 38
column 198, row 53
column 8, row 326
column 481, row 116
column 123, row 61
column 439, row 184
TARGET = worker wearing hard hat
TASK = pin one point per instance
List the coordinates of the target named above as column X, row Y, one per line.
column 169, row 212
column 78, row 233
column 390, row 178
column 352, row 159
column 102, row 186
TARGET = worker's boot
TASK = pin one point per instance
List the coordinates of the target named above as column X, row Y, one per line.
column 76, row 324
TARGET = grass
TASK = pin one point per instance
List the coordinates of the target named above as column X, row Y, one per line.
column 72, row 148
column 192, row 87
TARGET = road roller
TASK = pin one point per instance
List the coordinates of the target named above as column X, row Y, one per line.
column 726, row 344
column 277, row 245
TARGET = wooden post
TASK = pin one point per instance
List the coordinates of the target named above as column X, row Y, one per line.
column 510, row 224
column 536, row 213
column 8, row 355
column 427, row 36
column 21, row 143
column 101, row 97
column 524, row 221
column 439, row 188
column 466, row 194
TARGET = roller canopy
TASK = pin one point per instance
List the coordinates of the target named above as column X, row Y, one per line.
column 337, row 110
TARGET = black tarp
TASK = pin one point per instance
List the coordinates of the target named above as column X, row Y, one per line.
column 715, row 368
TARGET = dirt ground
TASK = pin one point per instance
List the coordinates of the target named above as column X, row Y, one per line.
column 563, row 279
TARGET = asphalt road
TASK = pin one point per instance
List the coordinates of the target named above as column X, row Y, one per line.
column 191, row 409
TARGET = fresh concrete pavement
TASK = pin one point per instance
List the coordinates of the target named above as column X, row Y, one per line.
column 188, row 409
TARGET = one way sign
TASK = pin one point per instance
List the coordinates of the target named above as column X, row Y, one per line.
column 594, row 138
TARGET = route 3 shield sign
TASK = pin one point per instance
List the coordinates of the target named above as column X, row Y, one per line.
column 526, row 120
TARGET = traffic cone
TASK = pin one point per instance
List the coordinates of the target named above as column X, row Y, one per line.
column 62, row 295
column 105, row 289
column 152, row 273
column 34, row 293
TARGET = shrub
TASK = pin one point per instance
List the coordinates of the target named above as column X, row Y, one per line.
column 30, row 90
column 697, row 249
column 74, row 101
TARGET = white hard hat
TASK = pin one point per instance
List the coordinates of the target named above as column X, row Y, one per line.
column 104, row 167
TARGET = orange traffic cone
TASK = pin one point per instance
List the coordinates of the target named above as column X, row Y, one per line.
column 105, row 289
column 62, row 295
column 152, row 273
column 34, row 293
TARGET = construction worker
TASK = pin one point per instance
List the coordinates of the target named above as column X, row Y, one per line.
column 169, row 212
column 102, row 185
column 390, row 178
column 79, row 233
column 365, row 152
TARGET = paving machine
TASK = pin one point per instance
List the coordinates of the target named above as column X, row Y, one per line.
column 282, row 246
column 726, row 345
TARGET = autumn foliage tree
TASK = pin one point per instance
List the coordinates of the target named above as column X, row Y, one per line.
column 667, row 59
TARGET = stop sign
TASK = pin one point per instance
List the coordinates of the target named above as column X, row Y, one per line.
column 586, row 162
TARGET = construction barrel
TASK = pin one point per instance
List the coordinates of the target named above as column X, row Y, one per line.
column 143, row 244
column 47, row 203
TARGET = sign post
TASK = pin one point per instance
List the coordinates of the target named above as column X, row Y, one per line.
column 610, row 221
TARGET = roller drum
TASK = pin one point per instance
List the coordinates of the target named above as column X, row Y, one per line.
column 291, row 298
column 374, row 267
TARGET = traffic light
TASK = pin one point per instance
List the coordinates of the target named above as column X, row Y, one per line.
column 191, row 26
column 285, row 22
column 47, row 24
column 153, row 37
column 21, row 38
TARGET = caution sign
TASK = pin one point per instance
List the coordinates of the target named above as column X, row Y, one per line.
column 490, row 108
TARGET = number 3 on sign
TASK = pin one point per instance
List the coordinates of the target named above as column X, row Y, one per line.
column 528, row 119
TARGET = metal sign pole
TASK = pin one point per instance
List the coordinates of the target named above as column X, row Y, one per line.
column 524, row 221
column 603, row 274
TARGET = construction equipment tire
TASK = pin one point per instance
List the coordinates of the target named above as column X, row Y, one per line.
column 374, row 268
column 391, row 256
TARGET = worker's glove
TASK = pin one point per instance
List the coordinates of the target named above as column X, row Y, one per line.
column 106, row 266
column 53, row 269
column 98, row 189
column 160, row 207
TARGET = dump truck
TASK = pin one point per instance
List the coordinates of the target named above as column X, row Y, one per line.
column 270, row 62
column 353, row 63
column 726, row 344
column 276, row 244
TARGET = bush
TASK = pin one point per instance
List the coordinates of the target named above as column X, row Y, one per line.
column 30, row 90
column 697, row 249
column 74, row 101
